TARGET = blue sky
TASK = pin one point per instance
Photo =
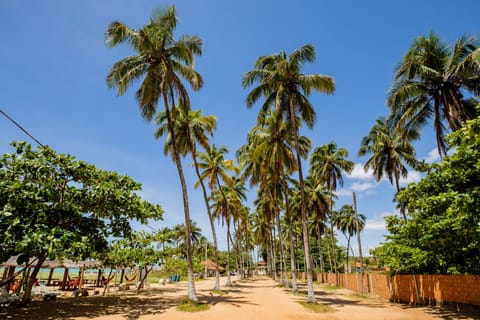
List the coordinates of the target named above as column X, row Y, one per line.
column 54, row 62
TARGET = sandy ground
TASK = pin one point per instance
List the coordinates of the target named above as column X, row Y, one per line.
column 247, row 299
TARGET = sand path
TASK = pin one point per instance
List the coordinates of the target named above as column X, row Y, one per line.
column 247, row 299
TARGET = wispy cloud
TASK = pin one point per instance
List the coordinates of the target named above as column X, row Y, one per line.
column 358, row 172
column 413, row 177
column 375, row 225
column 343, row 193
column 364, row 186
column 378, row 221
column 433, row 156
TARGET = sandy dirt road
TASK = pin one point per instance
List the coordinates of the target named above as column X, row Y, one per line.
column 247, row 299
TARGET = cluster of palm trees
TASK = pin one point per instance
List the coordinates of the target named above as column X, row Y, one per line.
column 430, row 81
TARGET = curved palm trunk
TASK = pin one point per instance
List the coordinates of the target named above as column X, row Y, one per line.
column 210, row 217
column 348, row 248
column 292, row 248
column 332, row 235
column 192, row 294
column 229, row 280
column 274, row 254
column 290, row 239
column 362, row 270
column 306, row 240
column 320, row 253
column 283, row 271
column 402, row 205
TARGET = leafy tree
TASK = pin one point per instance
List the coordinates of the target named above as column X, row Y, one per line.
column 286, row 89
column 140, row 251
column 389, row 154
column 163, row 63
column 443, row 235
column 53, row 206
column 431, row 81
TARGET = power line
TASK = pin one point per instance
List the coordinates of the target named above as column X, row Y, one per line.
column 21, row 128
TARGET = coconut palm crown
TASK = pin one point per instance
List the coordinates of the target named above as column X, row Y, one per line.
column 435, row 80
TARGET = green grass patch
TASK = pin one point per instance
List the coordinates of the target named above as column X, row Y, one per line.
column 219, row 292
column 316, row 307
column 358, row 295
column 330, row 287
column 187, row 305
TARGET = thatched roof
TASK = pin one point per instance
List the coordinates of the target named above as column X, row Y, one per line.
column 52, row 264
column 212, row 265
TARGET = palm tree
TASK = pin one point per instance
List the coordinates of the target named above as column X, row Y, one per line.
column 163, row 63
column 227, row 204
column 195, row 235
column 318, row 204
column 267, row 159
column 214, row 168
column 431, row 80
column 286, row 89
column 192, row 128
column 346, row 221
column 327, row 163
column 389, row 152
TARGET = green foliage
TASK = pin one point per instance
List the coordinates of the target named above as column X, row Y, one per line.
column 443, row 234
column 52, row 205
column 317, row 307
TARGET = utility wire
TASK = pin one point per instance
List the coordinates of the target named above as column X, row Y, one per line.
column 21, row 128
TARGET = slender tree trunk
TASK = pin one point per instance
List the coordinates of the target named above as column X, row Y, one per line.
column 192, row 294
column 283, row 271
column 320, row 252
column 274, row 255
column 210, row 218
column 290, row 237
column 362, row 270
column 402, row 205
column 229, row 280
column 30, row 280
column 348, row 248
column 334, row 253
column 306, row 240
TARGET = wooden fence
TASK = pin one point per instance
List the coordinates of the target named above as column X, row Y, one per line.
column 412, row 289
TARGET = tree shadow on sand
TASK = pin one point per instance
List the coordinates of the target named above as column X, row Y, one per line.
column 127, row 306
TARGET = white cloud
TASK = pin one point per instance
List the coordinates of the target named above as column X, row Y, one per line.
column 433, row 156
column 358, row 172
column 343, row 192
column 413, row 176
column 362, row 186
column 375, row 225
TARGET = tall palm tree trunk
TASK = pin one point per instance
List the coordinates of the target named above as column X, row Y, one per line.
column 290, row 239
column 306, row 240
column 229, row 280
column 320, row 253
column 192, row 294
column 332, row 235
column 362, row 270
column 210, row 217
column 402, row 205
column 283, row 271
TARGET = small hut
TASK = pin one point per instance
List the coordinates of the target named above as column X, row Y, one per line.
column 211, row 268
column 261, row 268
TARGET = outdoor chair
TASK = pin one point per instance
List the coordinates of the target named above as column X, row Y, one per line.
column 41, row 290
column 6, row 299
